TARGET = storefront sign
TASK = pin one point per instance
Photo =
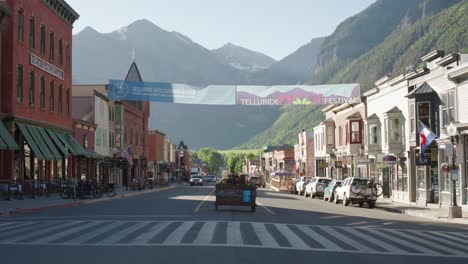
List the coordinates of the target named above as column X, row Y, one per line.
column 448, row 150
column 425, row 162
column 338, row 164
column 363, row 161
column 454, row 174
column 389, row 159
column 323, row 165
column 247, row 196
column 47, row 67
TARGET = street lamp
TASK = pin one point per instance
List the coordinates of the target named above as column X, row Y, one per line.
column 454, row 210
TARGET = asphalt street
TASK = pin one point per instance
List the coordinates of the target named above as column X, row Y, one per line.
column 180, row 225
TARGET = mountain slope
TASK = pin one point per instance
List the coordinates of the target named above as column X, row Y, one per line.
column 446, row 30
column 296, row 68
column 243, row 59
column 368, row 29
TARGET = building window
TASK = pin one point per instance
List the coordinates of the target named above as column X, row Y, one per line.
column 373, row 137
column 347, row 134
column 43, row 36
column 60, row 99
column 356, row 132
column 67, row 102
column 424, row 113
column 51, row 46
column 395, row 130
column 32, row 80
column 448, row 108
column 98, row 137
column 19, row 84
column 412, row 117
column 42, row 93
column 32, row 33
column 20, row 25
column 67, row 59
column 330, row 135
column 60, row 52
column 52, row 96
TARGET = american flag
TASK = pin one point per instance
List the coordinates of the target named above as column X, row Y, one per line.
column 127, row 153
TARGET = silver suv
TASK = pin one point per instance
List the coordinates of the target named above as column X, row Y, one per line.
column 356, row 191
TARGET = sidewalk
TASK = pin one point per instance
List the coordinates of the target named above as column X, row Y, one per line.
column 28, row 204
column 433, row 213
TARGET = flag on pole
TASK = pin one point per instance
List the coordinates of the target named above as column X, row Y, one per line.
column 426, row 136
column 127, row 153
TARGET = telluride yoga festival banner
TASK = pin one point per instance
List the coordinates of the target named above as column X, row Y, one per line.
column 234, row 94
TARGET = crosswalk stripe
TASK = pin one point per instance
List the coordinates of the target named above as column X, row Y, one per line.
column 319, row 238
column 346, row 239
column 147, row 236
column 444, row 241
column 65, row 233
column 2, row 224
column 264, row 236
column 41, row 232
column 176, row 236
column 233, row 233
column 403, row 242
column 15, row 226
column 117, row 236
column 89, row 235
column 461, row 235
column 430, row 244
column 450, row 236
column 295, row 240
column 377, row 242
column 206, row 233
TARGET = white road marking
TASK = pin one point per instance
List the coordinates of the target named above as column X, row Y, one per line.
column 295, row 241
column 148, row 235
column 319, row 238
column 442, row 240
column 266, row 208
column 347, row 240
column 94, row 233
column 425, row 242
column 123, row 233
column 264, row 236
column 373, row 240
column 67, row 232
column 233, row 233
column 176, row 236
column 43, row 231
column 206, row 233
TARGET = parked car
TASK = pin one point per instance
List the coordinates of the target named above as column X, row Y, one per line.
column 353, row 190
column 196, row 180
column 300, row 185
column 328, row 194
column 316, row 186
column 210, row 178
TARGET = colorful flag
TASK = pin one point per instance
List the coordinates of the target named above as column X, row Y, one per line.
column 127, row 153
column 426, row 136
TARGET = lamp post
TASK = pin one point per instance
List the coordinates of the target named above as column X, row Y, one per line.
column 454, row 210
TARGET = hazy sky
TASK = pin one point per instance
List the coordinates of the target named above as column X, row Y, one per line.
column 274, row 27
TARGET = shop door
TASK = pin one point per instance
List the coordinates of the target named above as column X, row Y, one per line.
column 386, row 181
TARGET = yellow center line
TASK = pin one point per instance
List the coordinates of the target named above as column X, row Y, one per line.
column 204, row 200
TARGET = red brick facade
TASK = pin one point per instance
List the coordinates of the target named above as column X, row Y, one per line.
column 155, row 146
column 16, row 53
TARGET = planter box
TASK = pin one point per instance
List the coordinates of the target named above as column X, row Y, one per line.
column 235, row 196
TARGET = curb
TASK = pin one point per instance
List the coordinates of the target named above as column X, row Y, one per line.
column 79, row 202
column 463, row 221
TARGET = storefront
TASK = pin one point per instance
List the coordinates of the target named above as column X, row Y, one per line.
column 427, row 177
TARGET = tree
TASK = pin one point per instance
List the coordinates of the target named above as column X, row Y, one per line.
column 215, row 162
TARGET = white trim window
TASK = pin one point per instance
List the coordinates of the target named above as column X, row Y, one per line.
column 412, row 116
column 395, row 130
column 329, row 135
column 373, row 134
column 448, row 107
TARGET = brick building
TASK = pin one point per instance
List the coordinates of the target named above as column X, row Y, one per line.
column 36, row 54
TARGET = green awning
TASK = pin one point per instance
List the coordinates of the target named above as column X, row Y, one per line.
column 58, row 143
column 94, row 155
column 49, row 143
column 74, row 147
column 6, row 140
column 40, row 143
column 31, row 142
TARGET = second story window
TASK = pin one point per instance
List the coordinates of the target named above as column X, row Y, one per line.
column 43, row 36
column 20, row 25
column 329, row 135
column 42, row 93
column 395, row 130
column 67, row 103
column 340, row 132
column 67, row 57
column 412, row 117
column 448, row 108
column 60, row 52
column 32, row 33
column 356, row 132
column 32, row 80
column 19, row 84
column 51, row 46
column 60, row 98
column 52, row 97
column 424, row 113
column 373, row 134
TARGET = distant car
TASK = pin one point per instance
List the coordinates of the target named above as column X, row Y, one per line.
column 210, row 178
column 300, row 185
column 316, row 186
column 328, row 194
column 353, row 190
column 196, row 180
